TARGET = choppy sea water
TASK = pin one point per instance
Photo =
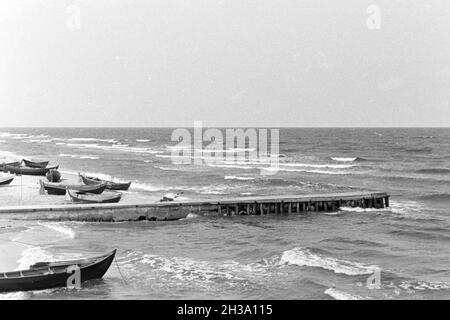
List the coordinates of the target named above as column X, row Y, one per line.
column 313, row 256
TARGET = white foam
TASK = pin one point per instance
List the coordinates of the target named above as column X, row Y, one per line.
column 411, row 210
column 423, row 285
column 238, row 178
column 59, row 228
column 241, row 149
column 306, row 170
column 78, row 156
column 93, row 139
column 319, row 166
column 304, row 257
column 32, row 255
column 198, row 271
column 115, row 147
column 341, row 295
column 142, row 140
column 20, row 295
column 357, row 209
column 340, row 159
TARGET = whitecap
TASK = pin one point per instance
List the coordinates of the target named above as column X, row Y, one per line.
column 305, row 257
column 342, row 159
column 238, row 178
column 341, row 295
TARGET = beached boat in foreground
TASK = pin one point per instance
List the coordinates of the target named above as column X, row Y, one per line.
column 60, row 189
column 109, row 184
column 27, row 170
column 107, row 197
column 46, row 275
column 6, row 180
column 33, row 164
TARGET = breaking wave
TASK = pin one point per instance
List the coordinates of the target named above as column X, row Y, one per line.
column 238, row 178
column 341, row 295
column 305, row 257
column 76, row 156
column 60, row 228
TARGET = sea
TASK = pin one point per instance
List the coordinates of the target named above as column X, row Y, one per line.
column 400, row 252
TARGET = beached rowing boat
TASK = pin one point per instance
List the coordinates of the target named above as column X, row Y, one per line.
column 107, row 197
column 109, row 184
column 46, row 275
column 14, row 164
column 33, row 164
column 60, row 189
column 6, row 180
column 27, row 170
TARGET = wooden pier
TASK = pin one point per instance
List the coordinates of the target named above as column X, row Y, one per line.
column 164, row 211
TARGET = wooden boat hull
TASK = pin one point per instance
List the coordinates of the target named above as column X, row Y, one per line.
column 6, row 180
column 33, row 164
column 60, row 189
column 110, row 185
column 53, row 275
column 90, row 198
column 28, row 171
column 13, row 164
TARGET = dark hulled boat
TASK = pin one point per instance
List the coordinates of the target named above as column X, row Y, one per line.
column 33, row 164
column 107, row 197
column 27, row 170
column 60, row 189
column 6, row 180
column 109, row 184
column 46, row 275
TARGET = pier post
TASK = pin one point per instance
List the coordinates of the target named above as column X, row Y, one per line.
column 386, row 201
column 261, row 209
column 290, row 208
column 219, row 208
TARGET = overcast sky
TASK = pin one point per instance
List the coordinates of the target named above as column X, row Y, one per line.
column 227, row 63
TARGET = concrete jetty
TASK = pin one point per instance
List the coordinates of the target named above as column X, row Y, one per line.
column 165, row 211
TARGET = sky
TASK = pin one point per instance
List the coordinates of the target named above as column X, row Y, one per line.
column 233, row 63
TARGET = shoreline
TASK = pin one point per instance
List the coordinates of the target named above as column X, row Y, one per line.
column 11, row 251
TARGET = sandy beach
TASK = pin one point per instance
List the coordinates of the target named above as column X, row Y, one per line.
column 25, row 190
